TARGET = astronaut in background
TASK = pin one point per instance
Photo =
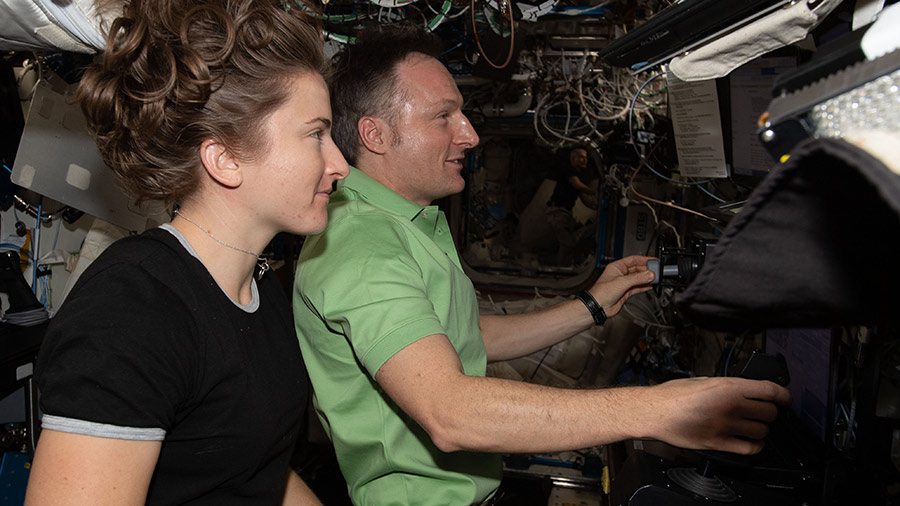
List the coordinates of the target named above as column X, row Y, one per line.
column 572, row 182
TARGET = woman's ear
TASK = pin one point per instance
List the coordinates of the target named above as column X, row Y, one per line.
column 220, row 163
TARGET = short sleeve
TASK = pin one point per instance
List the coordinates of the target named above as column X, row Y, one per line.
column 118, row 352
column 388, row 311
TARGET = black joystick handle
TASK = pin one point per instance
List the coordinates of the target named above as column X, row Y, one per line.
column 703, row 480
column 761, row 366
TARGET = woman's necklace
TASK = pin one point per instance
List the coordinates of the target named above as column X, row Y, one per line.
column 261, row 261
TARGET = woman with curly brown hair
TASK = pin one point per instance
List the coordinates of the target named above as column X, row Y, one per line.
column 172, row 373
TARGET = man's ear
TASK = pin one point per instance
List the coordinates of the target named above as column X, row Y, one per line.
column 220, row 163
column 374, row 134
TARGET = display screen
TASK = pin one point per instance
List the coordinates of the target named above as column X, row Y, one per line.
column 808, row 356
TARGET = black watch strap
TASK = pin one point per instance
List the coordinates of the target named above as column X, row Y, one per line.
column 590, row 302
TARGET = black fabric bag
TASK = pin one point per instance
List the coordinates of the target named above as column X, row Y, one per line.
column 815, row 245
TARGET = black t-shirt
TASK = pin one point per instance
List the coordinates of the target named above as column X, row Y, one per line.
column 149, row 344
column 564, row 194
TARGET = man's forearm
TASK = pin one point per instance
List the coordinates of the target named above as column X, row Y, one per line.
column 512, row 336
column 507, row 337
column 501, row 416
column 462, row 412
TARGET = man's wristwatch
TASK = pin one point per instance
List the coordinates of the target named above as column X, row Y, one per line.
column 590, row 302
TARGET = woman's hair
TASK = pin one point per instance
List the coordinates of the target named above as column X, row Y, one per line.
column 364, row 81
column 177, row 72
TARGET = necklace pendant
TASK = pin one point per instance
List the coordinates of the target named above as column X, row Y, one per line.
column 263, row 264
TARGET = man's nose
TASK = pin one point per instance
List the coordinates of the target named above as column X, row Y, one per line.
column 467, row 135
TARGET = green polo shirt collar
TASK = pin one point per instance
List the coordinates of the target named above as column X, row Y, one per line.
column 429, row 219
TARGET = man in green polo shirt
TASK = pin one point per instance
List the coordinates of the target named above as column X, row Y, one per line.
column 389, row 324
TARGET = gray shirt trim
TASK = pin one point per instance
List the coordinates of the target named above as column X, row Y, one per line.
column 85, row 428
column 251, row 306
